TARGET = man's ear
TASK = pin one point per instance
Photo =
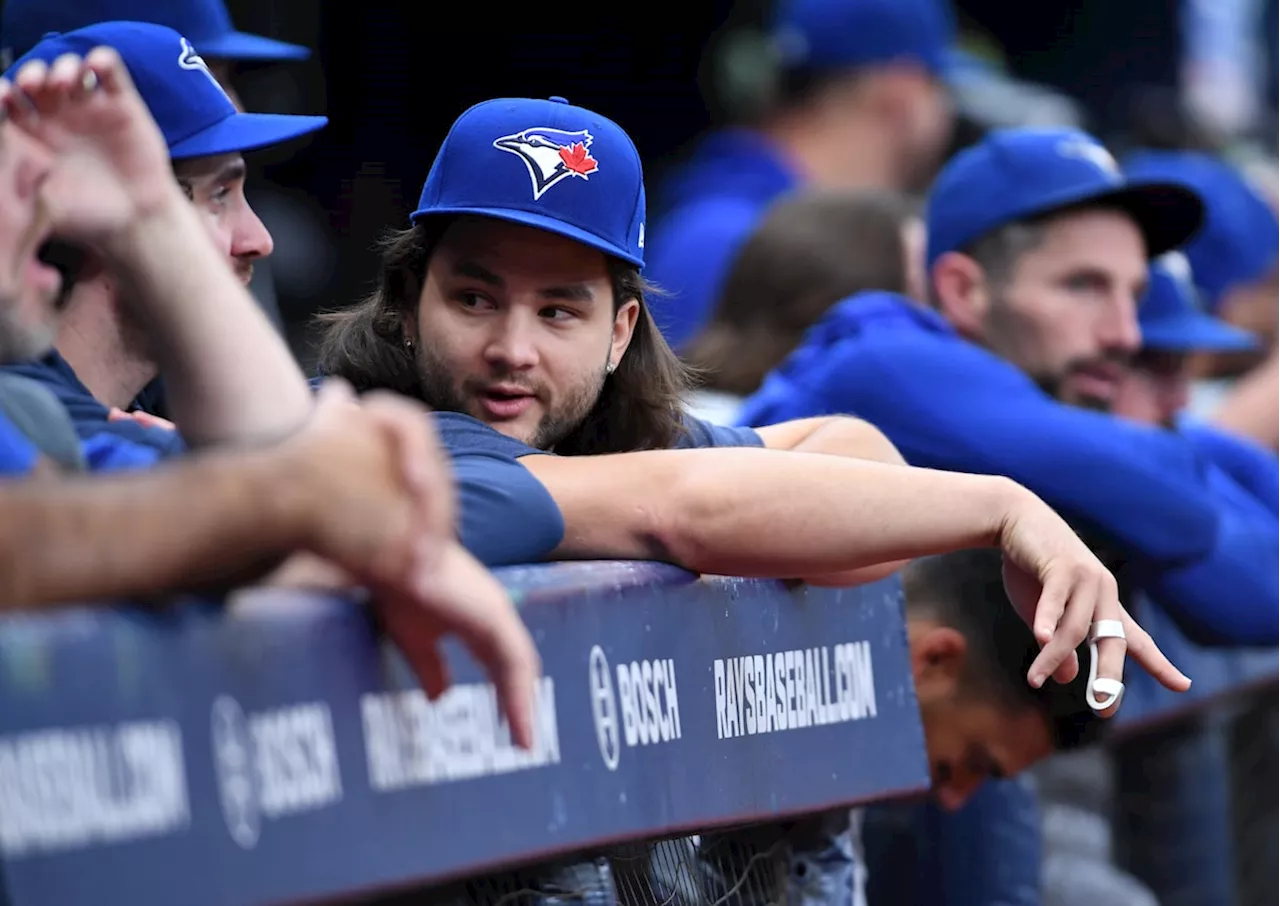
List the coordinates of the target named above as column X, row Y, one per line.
column 961, row 293
column 624, row 328
column 938, row 661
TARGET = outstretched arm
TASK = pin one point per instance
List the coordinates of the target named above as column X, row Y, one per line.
column 772, row 513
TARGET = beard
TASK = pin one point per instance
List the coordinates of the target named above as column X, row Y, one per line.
column 19, row 340
column 443, row 393
column 1052, row 385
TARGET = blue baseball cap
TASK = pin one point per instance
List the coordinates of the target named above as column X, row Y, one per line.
column 827, row 35
column 193, row 112
column 1172, row 320
column 545, row 164
column 1015, row 174
column 206, row 23
column 1240, row 240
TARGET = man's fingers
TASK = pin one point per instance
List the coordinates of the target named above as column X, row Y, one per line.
column 432, row 671
column 1143, row 649
column 417, row 643
column 23, row 104
column 1110, row 669
column 467, row 600
column 1068, row 669
column 106, row 65
column 1051, row 607
column 1069, row 632
column 334, row 391
column 64, row 78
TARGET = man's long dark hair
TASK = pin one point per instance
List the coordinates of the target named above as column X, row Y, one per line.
column 639, row 408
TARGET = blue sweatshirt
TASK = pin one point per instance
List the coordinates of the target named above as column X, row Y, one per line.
column 1198, row 543
column 705, row 210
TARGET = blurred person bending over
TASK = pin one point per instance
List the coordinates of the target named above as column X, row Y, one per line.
column 364, row 486
column 105, row 354
column 809, row 251
column 1234, row 262
column 853, row 99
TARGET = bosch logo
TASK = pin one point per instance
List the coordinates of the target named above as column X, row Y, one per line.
column 604, row 708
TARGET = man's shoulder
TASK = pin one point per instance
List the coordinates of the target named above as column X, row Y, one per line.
column 462, row 435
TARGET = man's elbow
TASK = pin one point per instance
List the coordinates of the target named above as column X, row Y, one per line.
column 847, row 435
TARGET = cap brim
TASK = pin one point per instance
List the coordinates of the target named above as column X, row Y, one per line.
column 1167, row 214
column 538, row 222
column 246, row 132
column 1196, row 333
column 238, row 45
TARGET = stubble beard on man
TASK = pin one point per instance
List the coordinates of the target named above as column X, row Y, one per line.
column 441, row 392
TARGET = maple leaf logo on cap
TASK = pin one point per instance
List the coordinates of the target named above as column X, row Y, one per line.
column 551, row 155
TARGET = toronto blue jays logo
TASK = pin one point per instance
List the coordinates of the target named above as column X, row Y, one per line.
column 191, row 61
column 1093, row 153
column 551, row 155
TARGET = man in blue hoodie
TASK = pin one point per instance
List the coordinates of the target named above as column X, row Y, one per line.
column 1233, row 262
column 856, row 102
column 1037, row 253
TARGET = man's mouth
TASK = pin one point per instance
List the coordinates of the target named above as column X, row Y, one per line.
column 1097, row 381
column 502, row 402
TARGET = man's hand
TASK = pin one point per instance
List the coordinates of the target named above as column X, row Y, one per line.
column 146, row 419
column 378, row 499
column 1061, row 589
column 112, row 162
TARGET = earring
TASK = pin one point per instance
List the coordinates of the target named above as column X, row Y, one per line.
column 408, row 344
column 608, row 369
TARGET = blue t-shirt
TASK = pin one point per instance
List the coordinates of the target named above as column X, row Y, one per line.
column 18, row 455
column 107, row 445
column 507, row 516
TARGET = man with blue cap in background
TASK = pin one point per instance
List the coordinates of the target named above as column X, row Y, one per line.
column 1233, row 262
column 1157, row 386
column 103, row 358
column 1037, row 255
column 852, row 98
column 206, row 24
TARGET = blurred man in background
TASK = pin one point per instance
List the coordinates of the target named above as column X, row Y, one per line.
column 852, row 98
column 1234, row 262
column 809, row 250
column 103, row 357
column 207, row 25
column 1038, row 251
